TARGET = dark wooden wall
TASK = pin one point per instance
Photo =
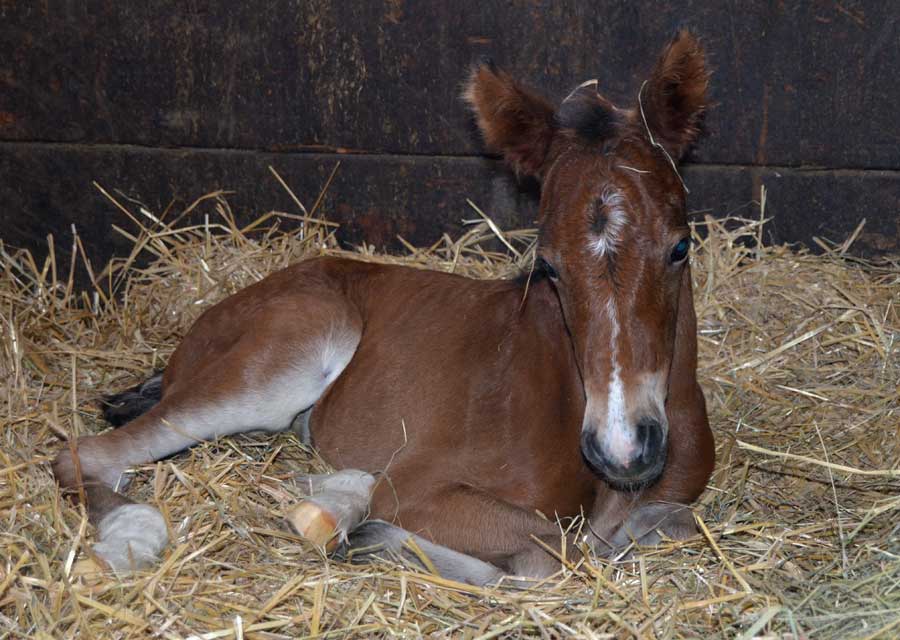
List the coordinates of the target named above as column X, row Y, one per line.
column 167, row 100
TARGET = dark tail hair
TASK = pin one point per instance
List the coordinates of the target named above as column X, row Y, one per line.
column 121, row 408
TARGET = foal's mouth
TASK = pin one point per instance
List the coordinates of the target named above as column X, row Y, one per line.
column 639, row 475
column 631, row 484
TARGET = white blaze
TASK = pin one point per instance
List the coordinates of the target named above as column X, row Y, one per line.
column 619, row 439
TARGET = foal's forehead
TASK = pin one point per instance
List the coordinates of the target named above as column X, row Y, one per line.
column 607, row 202
column 634, row 177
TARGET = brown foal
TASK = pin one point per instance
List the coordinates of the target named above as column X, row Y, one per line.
column 569, row 390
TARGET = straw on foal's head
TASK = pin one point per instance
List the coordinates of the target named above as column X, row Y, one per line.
column 613, row 237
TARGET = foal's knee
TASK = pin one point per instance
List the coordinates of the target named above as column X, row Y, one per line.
column 64, row 470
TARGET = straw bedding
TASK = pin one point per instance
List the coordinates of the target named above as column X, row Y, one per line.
column 800, row 361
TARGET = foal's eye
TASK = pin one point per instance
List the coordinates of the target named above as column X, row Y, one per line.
column 680, row 251
column 547, row 268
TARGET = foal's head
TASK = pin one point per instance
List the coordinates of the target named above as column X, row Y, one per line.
column 613, row 238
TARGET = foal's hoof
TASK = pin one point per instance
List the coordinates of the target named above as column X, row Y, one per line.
column 315, row 523
column 646, row 526
column 337, row 503
column 377, row 539
column 131, row 538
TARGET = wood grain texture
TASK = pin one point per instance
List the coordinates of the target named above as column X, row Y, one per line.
column 796, row 83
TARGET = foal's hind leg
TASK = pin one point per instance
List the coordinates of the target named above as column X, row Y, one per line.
column 270, row 371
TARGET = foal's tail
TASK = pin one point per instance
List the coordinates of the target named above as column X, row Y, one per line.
column 121, row 408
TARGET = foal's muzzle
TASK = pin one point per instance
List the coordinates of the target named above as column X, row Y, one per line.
column 642, row 469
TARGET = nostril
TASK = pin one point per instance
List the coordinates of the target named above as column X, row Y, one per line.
column 590, row 447
column 650, row 435
column 592, row 452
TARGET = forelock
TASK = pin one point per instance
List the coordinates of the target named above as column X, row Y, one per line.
column 588, row 115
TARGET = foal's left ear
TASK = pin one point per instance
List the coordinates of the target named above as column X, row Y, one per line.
column 514, row 121
column 674, row 98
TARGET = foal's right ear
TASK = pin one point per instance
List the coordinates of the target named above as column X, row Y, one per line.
column 674, row 98
column 513, row 120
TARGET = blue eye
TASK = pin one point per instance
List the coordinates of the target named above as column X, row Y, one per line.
column 680, row 251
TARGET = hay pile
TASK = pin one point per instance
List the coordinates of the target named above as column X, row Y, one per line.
column 800, row 360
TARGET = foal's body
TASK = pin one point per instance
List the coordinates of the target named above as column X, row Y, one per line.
column 468, row 458
column 572, row 391
column 473, row 451
column 452, row 438
column 465, row 427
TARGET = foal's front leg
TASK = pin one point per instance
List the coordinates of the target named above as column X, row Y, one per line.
column 332, row 517
column 471, row 537
column 380, row 539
